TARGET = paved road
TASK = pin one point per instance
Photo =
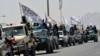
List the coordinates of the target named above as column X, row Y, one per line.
column 86, row 49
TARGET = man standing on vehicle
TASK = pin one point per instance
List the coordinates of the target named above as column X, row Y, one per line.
column 55, row 30
column 95, row 29
column 73, row 29
column 44, row 24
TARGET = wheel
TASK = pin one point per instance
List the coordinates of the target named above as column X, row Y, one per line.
column 80, row 41
column 10, row 53
column 51, row 49
column 73, row 43
column 1, row 54
column 69, row 42
column 26, row 51
column 32, row 52
column 48, row 48
column 57, row 46
column 85, row 40
column 63, row 44
column 54, row 46
column 96, row 39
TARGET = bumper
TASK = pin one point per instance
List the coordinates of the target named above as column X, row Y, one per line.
column 92, row 37
column 18, row 49
column 41, row 46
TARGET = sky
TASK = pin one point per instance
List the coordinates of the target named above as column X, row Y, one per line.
column 78, row 8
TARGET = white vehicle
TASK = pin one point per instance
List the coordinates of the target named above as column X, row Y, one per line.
column 18, row 41
column 63, row 38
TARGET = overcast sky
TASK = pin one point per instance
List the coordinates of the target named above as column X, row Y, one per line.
column 78, row 8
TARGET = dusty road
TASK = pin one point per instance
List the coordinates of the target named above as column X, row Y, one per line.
column 86, row 49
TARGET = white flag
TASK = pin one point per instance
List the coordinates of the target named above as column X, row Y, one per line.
column 60, row 4
column 75, row 20
column 50, row 19
column 30, row 14
column 67, row 24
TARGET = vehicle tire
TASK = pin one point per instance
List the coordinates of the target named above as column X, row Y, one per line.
column 0, row 52
column 85, row 40
column 26, row 51
column 96, row 39
column 32, row 52
column 73, row 43
column 48, row 48
column 80, row 42
column 63, row 44
column 57, row 46
column 69, row 42
column 10, row 53
column 51, row 49
column 54, row 46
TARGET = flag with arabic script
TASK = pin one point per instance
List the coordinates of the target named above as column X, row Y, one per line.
column 29, row 14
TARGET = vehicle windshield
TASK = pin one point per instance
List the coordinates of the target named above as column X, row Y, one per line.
column 16, row 31
column 60, row 33
column 91, row 31
column 40, row 34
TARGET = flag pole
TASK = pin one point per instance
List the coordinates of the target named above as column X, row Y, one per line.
column 20, row 9
column 61, row 15
column 48, row 8
column 60, row 8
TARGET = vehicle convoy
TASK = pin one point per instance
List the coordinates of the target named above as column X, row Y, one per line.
column 63, row 39
column 18, row 40
column 90, row 35
column 44, row 41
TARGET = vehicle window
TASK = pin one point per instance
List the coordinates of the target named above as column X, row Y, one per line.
column 40, row 34
column 60, row 33
column 14, row 31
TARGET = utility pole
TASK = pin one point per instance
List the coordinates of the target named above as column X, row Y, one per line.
column 61, row 16
column 48, row 8
column 60, row 8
